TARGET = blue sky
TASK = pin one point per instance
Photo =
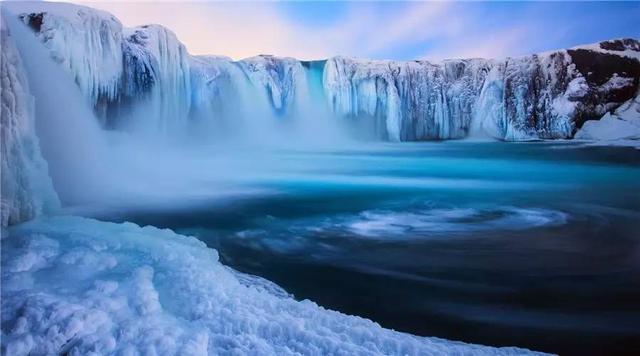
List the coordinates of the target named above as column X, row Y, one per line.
column 384, row 30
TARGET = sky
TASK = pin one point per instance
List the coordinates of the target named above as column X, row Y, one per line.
column 382, row 30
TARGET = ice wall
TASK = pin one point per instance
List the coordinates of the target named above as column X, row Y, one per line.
column 86, row 42
column 144, row 78
column 528, row 98
column 27, row 190
column 284, row 79
column 531, row 97
column 157, row 76
column 406, row 100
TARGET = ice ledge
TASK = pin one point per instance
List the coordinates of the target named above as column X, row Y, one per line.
column 81, row 286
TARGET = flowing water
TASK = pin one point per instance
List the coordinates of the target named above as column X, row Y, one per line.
column 527, row 244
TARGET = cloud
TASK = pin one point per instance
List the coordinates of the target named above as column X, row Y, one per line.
column 235, row 29
column 243, row 29
column 497, row 44
column 417, row 23
column 404, row 30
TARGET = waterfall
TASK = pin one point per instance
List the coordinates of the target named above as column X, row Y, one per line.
column 70, row 138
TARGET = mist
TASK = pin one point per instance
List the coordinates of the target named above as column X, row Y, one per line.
column 214, row 152
column 70, row 138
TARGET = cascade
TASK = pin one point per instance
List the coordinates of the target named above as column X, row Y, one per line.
column 68, row 130
column 150, row 83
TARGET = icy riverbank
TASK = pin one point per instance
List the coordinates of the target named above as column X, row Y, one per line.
column 80, row 286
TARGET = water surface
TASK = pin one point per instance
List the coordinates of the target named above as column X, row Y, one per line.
column 534, row 245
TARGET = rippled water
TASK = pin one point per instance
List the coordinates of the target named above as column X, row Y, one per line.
column 531, row 244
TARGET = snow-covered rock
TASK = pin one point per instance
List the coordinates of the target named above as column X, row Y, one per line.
column 27, row 190
column 85, row 41
column 623, row 124
column 630, row 110
column 79, row 286
column 627, row 47
column 608, row 128
column 531, row 97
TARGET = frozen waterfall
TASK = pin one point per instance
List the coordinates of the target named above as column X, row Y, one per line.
column 143, row 79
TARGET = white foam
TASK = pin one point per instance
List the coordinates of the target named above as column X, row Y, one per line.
column 380, row 223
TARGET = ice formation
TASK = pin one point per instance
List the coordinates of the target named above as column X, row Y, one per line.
column 86, row 42
column 79, row 286
column 27, row 190
column 158, row 70
column 407, row 100
column 282, row 78
column 147, row 70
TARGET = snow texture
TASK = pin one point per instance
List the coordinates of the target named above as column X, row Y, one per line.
column 79, row 286
column 27, row 190
column 148, row 71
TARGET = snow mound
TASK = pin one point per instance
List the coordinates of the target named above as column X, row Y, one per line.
column 623, row 124
column 610, row 127
column 79, row 286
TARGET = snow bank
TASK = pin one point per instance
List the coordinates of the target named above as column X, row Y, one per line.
column 608, row 128
column 621, row 127
column 80, row 286
column 27, row 190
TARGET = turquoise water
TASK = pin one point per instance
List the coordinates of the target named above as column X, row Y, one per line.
column 526, row 244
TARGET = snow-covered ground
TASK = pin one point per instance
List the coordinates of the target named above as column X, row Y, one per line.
column 78, row 286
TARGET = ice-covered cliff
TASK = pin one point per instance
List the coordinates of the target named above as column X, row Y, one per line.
column 407, row 100
column 144, row 77
column 545, row 95
column 86, row 42
column 27, row 190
